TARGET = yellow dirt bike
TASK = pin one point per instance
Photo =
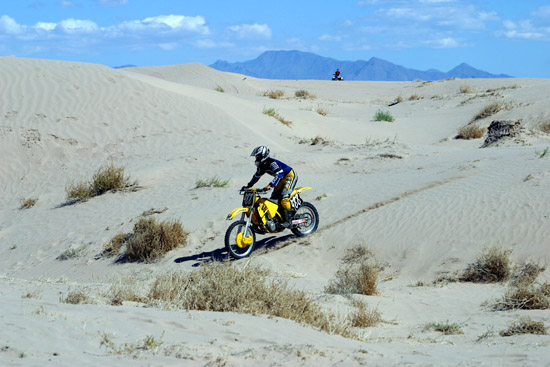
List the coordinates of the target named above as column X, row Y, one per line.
column 260, row 215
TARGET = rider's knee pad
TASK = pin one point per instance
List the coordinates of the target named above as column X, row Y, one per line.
column 285, row 203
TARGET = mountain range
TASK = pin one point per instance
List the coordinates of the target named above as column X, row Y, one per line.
column 306, row 65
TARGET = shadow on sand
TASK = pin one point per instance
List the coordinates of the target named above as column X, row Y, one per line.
column 221, row 254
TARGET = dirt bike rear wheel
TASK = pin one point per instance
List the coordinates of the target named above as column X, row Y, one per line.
column 309, row 212
column 232, row 240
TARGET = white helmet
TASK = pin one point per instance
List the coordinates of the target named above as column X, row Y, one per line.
column 261, row 153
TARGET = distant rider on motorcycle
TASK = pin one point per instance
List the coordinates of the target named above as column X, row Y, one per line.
column 284, row 180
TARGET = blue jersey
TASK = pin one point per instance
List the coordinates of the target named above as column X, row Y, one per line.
column 273, row 167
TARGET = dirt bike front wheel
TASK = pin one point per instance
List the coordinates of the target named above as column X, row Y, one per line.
column 236, row 243
column 308, row 212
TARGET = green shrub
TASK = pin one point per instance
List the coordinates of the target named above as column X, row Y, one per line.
column 211, row 182
column 383, row 116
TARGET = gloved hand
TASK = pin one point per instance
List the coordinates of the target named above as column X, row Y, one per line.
column 244, row 188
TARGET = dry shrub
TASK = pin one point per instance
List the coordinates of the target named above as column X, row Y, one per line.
column 223, row 287
column 525, row 297
column 151, row 239
column 445, row 328
column 363, row 317
column 415, row 97
column 525, row 326
column 321, row 111
column 466, row 89
column 545, row 127
column 359, row 274
column 77, row 297
column 274, row 94
column 107, row 178
column 125, row 291
column 493, row 265
column 471, row 132
column 28, row 203
column 112, row 248
column 492, row 109
column 526, row 274
column 303, row 94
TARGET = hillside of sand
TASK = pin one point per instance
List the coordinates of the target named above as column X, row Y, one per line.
column 426, row 204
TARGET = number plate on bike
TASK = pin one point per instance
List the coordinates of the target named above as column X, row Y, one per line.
column 296, row 202
column 248, row 199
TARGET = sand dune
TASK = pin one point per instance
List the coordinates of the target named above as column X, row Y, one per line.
column 426, row 204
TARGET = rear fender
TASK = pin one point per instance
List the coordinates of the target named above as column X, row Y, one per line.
column 237, row 211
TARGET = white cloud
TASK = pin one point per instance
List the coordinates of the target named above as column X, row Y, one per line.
column 67, row 4
column 448, row 42
column 251, row 31
column 9, row 25
column 522, row 30
column 111, row 2
column 77, row 26
column 44, row 26
column 329, row 38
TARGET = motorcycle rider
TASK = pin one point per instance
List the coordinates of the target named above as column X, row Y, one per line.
column 337, row 74
column 283, row 182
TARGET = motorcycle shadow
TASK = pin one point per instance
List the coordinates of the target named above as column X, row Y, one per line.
column 222, row 255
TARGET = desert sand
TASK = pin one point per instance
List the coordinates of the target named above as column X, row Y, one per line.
column 425, row 203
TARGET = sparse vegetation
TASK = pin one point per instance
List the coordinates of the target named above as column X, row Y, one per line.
column 383, row 116
column 304, row 94
column 107, row 178
column 149, row 343
column 525, row 326
column 112, row 248
column 150, row 239
column 211, row 182
column 321, row 111
column 545, row 127
column 76, row 297
column 471, row 132
column 272, row 113
column 224, row 287
column 358, row 275
column 525, row 297
column 321, row 197
column 219, row 89
column 28, row 203
column 415, row 97
column 363, row 317
column 71, row 253
column 445, row 328
column 543, row 154
column 492, row 109
column 466, row 89
column 274, row 94
column 493, row 265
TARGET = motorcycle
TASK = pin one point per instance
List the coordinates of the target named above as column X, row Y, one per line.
column 337, row 77
column 260, row 215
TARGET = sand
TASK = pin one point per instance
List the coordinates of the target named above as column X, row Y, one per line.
column 426, row 204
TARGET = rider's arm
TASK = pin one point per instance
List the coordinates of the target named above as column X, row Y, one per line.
column 259, row 173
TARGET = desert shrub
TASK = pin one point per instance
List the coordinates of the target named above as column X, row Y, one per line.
column 471, row 132
column 525, row 297
column 219, row 89
column 321, row 111
column 76, row 297
column 211, row 182
column 466, row 89
column 274, row 94
column 107, row 178
column 525, row 326
column 363, row 317
column 545, row 127
column 112, row 248
column 71, row 253
column 224, row 287
column 358, row 275
column 445, row 328
column 492, row 109
column 303, row 94
column 415, row 97
column 493, row 265
column 271, row 112
column 28, row 203
column 151, row 239
column 383, row 116
column 149, row 343
column 125, row 291
column 526, row 273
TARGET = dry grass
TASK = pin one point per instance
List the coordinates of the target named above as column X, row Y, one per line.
column 274, row 94
column 271, row 112
column 107, row 178
column 363, row 317
column 358, row 275
column 150, row 239
column 525, row 297
column 149, row 343
column 415, row 97
column 445, row 328
column 525, row 274
column 492, row 109
column 76, row 297
column 28, row 203
column 545, row 127
column 304, row 94
column 112, row 248
column 466, row 89
column 223, row 287
column 321, row 111
column 525, row 326
column 471, row 132
column 493, row 265
column 211, row 182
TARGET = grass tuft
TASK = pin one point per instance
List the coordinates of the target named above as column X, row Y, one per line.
column 272, row 113
column 358, row 274
column 28, row 203
column 471, row 132
column 525, row 326
column 445, row 328
column 383, row 116
column 493, row 265
column 76, row 297
column 363, row 317
column 211, row 182
column 107, row 178
column 492, row 109
column 219, row 89
column 466, row 89
column 545, row 127
column 274, row 94
column 304, row 94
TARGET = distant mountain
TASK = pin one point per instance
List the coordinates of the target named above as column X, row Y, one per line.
column 306, row 65
column 124, row 66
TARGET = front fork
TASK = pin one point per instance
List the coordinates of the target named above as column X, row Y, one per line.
column 248, row 221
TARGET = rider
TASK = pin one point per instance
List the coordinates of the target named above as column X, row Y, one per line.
column 284, row 179
column 337, row 73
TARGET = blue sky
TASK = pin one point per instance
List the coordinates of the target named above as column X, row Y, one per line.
column 511, row 37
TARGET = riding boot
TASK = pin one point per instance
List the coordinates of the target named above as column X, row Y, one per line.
column 287, row 217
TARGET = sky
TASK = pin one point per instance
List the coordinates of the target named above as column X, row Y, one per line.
column 499, row 36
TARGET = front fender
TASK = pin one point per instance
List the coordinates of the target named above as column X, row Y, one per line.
column 234, row 212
